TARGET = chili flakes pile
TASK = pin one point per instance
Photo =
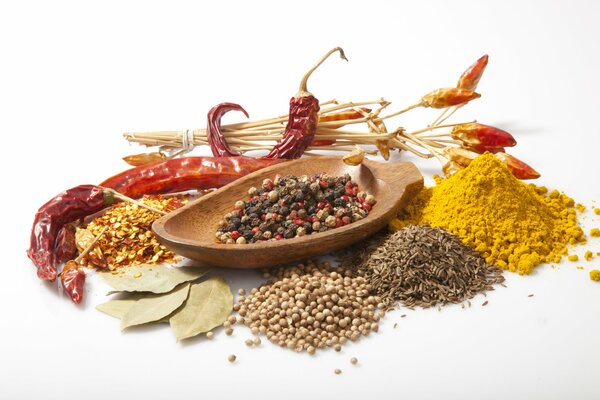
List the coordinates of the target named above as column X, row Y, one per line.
column 129, row 239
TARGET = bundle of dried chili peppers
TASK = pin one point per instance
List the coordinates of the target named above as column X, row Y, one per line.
column 291, row 134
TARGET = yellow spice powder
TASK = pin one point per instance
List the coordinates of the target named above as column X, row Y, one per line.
column 595, row 275
column 511, row 224
column 573, row 257
column 595, row 232
column 588, row 255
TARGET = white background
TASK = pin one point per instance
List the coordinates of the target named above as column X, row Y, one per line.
column 75, row 75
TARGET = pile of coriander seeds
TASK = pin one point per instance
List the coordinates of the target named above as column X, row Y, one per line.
column 311, row 306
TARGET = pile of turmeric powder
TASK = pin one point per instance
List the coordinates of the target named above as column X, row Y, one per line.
column 513, row 225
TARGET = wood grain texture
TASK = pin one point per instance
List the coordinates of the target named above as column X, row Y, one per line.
column 190, row 230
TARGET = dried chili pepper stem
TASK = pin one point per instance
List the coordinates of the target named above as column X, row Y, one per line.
column 431, row 127
column 425, row 145
column 351, row 104
column 122, row 197
column 302, row 90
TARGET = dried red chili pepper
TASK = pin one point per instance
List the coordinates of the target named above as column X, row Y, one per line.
column 72, row 278
column 66, row 207
column 447, row 97
column 474, row 134
column 518, row 168
column 216, row 140
column 303, row 117
column 470, row 78
column 186, row 173
column 66, row 248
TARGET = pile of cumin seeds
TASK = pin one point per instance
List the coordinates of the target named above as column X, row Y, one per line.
column 421, row 266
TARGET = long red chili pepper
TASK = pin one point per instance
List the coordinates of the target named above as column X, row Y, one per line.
column 66, row 207
column 216, row 140
column 186, row 173
column 303, row 117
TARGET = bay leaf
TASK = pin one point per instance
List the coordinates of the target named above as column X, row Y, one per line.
column 153, row 307
column 208, row 306
column 157, row 278
column 118, row 308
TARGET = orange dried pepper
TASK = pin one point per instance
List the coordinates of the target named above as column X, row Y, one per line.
column 470, row 78
column 518, row 168
column 447, row 97
column 482, row 136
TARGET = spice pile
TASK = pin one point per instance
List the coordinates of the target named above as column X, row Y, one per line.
column 311, row 306
column 421, row 266
column 291, row 206
column 129, row 239
column 511, row 224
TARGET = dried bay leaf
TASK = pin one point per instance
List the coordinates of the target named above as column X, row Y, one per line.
column 153, row 307
column 159, row 278
column 208, row 306
column 118, row 308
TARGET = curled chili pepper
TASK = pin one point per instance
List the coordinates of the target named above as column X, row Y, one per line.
column 482, row 136
column 303, row 117
column 216, row 140
column 66, row 207
column 185, row 173
column 447, row 97
column 470, row 78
